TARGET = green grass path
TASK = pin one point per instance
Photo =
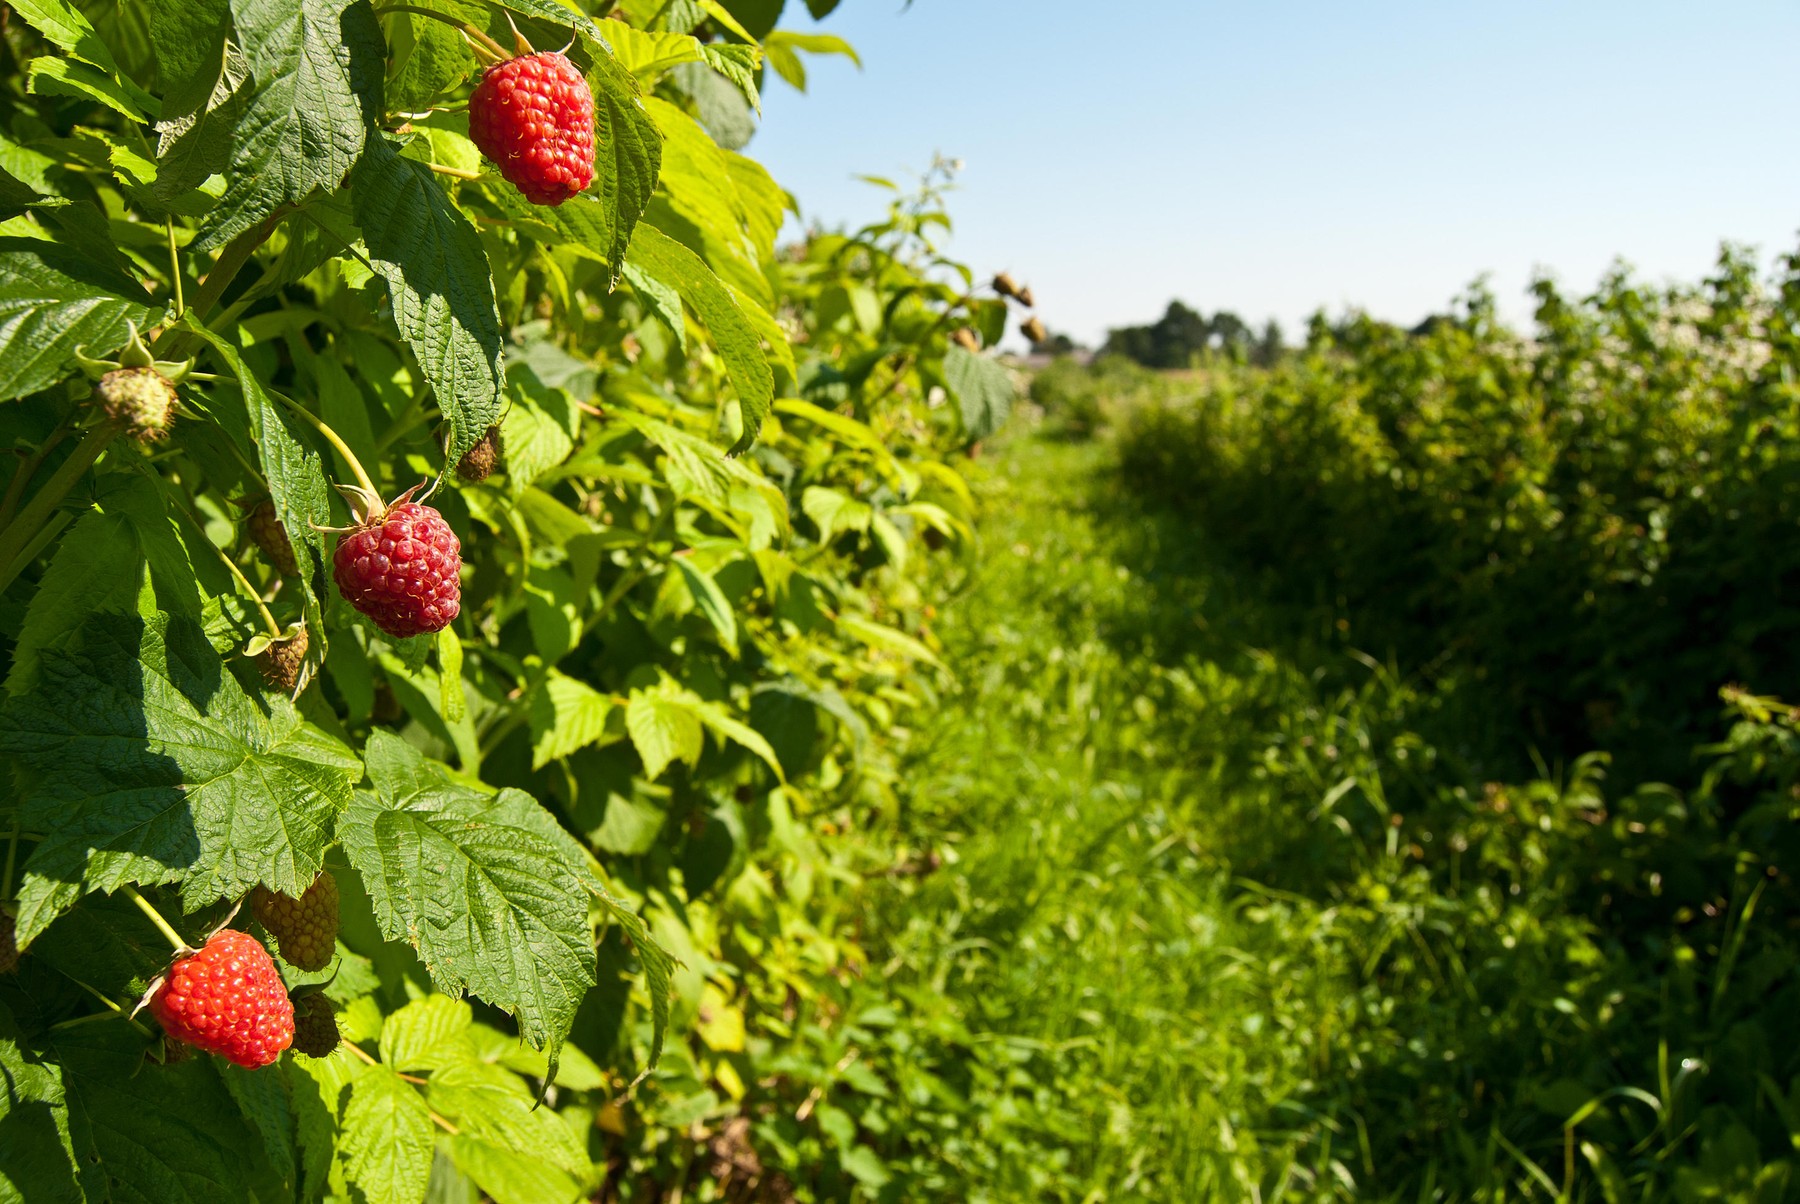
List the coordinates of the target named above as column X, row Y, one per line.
column 1136, row 1017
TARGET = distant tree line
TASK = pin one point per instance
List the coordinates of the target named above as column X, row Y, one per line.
column 1183, row 335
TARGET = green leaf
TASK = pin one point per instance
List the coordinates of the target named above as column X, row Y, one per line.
column 174, row 1136
column 317, row 66
column 668, row 723
column 983, row 390
column 64, row 27
column 100, row 565
column 630, row 158
column 711, row 601
column 491, row 1104
column 442, row 288
column 721, row 310
column 293, row 471
column 188, row 36
column 199, row 115
column 491, row 891
column 834, row 512
column 662, row 302
column 141, row 759
column 427, row 1034
column 54, row 303
column 265, row 1105
column 37, row 1162
column 453, row 700
column 386, row 1138
column 782, row 47
column 566, row 714
column 886, row 639
column 663, row 729
column 511, row 1178
column 66, row 77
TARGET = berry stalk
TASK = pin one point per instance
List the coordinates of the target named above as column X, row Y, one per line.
column 182, row 948
column 479, row 40
column 331, row 437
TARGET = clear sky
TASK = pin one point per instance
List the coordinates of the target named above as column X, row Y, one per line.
column 1274, row 156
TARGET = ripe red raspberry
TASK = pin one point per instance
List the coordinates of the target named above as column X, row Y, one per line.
column 402, row 567
column 533, row 117
column 315, row 1026
column 227, row 999
column 304, row 928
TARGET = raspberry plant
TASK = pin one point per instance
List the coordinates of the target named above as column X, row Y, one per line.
column 573, row 825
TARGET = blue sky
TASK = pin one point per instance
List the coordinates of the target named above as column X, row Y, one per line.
column 1275, row 156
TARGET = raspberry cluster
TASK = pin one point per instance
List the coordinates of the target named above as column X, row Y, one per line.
column 533, row 117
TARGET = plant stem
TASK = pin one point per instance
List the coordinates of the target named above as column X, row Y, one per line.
column 27, row 469
column 331, row 436
column 162, row 925
column 229, row 563
column 175, row 268
column 12, row 852
column 458, row 172
column 36, row 513
column 468, row 30
column 225, row 268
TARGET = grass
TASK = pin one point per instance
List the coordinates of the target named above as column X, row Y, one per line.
column 1077, row 788
column 1220, row 914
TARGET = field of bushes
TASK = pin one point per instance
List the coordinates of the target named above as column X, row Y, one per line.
column 1352, row 771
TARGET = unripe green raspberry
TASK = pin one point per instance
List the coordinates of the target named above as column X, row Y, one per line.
column 304, row 928
column 269, row 535
column 281, row 663
column 139, row 400
column 478, row 463
column 315, row 1026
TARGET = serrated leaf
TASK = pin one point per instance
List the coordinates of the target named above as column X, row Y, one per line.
column 885, row 638
column 66, row 77
column 630, row 159
column 982, row 388
column 427, row 1034
column 695, row 469
column 386, row 1138
column 263, row 1102
column 293, row 471
column 491, row 891
column 720, row 309
column 488, row 1103
column 510, row 1178
column 663, row 302
column 198, row 117
column 566, row 715
column 54, row 302
column 37, row 1162
column 663, row 729
column 834, row 512
column 141, row 759
column 99, row 566
column 63, row 25
column 318, row 67
column 175, row 1136
column 711, row 601
column 441, row 286
column 453, row 700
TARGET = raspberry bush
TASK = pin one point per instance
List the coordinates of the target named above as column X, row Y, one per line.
column 566, row 734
